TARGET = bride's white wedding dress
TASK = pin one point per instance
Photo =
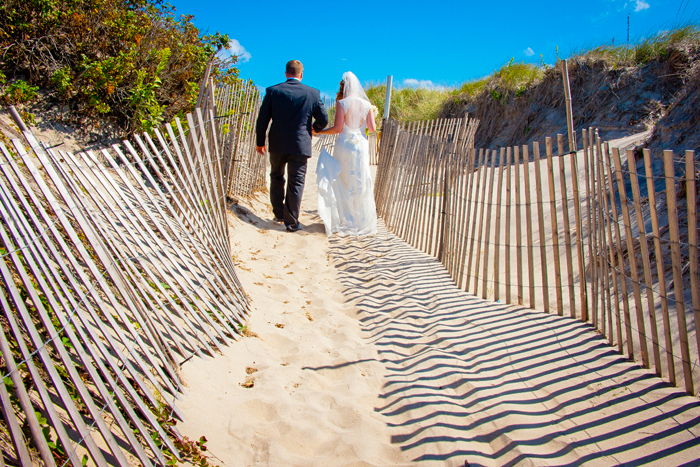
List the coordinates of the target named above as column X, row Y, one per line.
column 345, row 192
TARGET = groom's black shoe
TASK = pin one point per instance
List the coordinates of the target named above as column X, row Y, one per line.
column 278, row 220
column 293, row 227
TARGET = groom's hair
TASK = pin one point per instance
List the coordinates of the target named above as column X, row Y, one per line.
column 294, row 68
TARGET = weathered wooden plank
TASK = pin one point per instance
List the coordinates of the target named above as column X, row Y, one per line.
column 691, row 203
column 509, row 218
column 528, row 227
column 497, row 240
column 567, row 225
column 480, row 181
column 644, row 248
column 641, row 326
column 480, row 228
column 615, row 220
column 540, row 226
column 590, row 222
column 473, row 180
column 518, row 226
column 555, row 227
column 609, row 219
column 487, row 236
column 674, row 232
column 582, row 284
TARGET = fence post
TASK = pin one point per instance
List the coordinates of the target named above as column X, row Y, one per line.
column 445, row 206
column 569, row 110
column 387, row 101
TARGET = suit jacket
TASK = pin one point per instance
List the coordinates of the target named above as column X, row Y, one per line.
column 291, row 106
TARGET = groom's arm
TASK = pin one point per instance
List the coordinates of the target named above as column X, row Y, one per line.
column 263, row 121
column 320, row 116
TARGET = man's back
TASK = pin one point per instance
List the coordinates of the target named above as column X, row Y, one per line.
column 291, row 106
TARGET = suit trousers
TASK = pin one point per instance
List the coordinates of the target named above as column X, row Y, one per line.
column 287, row 205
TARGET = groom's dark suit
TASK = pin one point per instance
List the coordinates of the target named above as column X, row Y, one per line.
column 291, row 106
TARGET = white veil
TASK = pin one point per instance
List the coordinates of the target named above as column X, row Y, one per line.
column 355, row 102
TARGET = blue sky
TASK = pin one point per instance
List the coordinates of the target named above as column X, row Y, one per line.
column 428, row 43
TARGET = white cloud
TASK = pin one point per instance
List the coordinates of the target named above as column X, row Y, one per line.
column 641, row 5
column 235, row 48
column 529, row 52
column 423, row 83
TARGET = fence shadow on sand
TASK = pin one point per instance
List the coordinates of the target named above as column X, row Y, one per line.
column 493, row 384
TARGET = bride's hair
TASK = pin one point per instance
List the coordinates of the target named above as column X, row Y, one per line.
column 341, row 92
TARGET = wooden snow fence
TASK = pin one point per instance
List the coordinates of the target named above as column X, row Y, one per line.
column 601, row 235
column 236, row 108
column 117, row 269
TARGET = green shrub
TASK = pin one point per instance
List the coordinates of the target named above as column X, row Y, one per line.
column 135, row 61
column 19, row 92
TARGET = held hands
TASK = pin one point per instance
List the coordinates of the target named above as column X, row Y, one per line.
column 262, row 150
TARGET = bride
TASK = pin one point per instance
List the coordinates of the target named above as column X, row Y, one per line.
column 345, row 194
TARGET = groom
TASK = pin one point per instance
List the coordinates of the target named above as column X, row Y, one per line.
column 291, row 106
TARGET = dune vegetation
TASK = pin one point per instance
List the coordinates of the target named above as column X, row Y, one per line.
column 517, row 93
column 132, row 63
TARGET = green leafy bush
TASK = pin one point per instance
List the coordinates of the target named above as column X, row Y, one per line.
column 134, row 61
column 19, row 92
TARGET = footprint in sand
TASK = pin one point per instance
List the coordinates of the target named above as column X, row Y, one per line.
column 256, row 409
column 345, row 417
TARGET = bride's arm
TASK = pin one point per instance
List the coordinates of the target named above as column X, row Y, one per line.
column 338, row 124
column 371, row 124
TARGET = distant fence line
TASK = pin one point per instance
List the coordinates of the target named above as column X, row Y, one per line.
column 236, row 108
column 588, row 235
column 117, row 269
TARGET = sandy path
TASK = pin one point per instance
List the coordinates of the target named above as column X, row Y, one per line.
column 317, row 380
column 367, row 354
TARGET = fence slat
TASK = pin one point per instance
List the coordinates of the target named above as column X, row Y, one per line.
column 607, row 201
column 528, row 226
column 518, row 225
column 497, row 240
column 620, row 258
column 691, row 203
column 555, row 226
column 644, row 247
column 591, row 221
column 579, row 235
column 661, row 276
column 473, row 169
column 480, row 182
column 567, row 225
column 540, row 226
column 487, row 235
column 641, row 327
column 509, row 218
column 671, row 201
